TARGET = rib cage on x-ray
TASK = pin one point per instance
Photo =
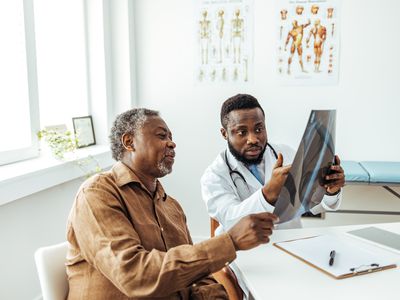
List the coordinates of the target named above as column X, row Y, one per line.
column 304, row 186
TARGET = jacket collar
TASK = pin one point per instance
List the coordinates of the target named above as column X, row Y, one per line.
column 124, row 175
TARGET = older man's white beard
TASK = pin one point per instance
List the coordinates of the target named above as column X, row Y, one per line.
column 164, row 170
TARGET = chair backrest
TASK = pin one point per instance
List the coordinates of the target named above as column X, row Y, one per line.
column 50, row 264
column 225, row 276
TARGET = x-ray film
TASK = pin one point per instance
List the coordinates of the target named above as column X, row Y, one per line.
column 304, row 186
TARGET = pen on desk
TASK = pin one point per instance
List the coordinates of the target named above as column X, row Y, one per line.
column 332, row 257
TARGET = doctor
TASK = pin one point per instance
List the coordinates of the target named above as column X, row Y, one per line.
column 247, row 177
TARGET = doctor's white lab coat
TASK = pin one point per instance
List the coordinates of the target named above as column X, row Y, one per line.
column 228, row 204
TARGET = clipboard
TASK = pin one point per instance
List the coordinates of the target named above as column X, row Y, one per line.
column 353, row 257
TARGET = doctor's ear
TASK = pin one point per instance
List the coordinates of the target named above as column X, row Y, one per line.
column 224, row 133
column 128, row 141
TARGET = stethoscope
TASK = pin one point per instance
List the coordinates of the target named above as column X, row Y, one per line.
column 232, row 172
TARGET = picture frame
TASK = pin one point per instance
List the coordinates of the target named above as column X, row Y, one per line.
column 84, row 131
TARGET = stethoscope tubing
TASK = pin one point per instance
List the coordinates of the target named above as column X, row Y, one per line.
column 231, row 171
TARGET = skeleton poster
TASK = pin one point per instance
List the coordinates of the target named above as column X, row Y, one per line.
column 308, row 42
column 224, row 36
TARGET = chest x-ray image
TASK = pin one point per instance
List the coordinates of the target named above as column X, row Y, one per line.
column 304, row 186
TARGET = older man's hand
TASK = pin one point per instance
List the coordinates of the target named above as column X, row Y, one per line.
column 252, row 230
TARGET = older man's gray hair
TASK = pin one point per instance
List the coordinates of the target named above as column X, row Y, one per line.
column 128, row 122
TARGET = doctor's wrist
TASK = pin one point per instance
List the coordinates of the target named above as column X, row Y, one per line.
column 268, row 196
column 334, row 193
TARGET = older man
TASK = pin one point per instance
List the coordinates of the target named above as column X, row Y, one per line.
column 128, row 238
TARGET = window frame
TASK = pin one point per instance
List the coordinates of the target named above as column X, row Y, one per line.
column 18, row 154
column 112, row 89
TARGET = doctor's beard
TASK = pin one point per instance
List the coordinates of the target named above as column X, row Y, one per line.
column 243, row 159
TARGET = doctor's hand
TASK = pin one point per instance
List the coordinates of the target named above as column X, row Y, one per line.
column 273, row 187
column 252, row 230
column 335, row 180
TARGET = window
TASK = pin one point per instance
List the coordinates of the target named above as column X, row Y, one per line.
column 43, row 71
column 80, row 55
column 18, row 90
column 61, row 61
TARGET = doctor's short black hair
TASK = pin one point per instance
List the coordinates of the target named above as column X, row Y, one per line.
column 240, row 101
column 128, row 122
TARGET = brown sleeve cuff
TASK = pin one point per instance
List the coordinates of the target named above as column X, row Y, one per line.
column 220, row 251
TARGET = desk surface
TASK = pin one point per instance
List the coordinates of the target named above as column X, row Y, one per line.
column 271, row 273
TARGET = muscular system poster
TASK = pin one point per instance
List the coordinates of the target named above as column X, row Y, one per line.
column 224, row 35
column 308, row 42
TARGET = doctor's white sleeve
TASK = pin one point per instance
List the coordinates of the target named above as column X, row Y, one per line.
column 328, row 203
column 223, row 203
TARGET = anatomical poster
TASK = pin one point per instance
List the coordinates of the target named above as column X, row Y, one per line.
column 308, row 42
column 224, row 37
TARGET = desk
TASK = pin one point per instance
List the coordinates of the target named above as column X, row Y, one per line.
column 271, row 273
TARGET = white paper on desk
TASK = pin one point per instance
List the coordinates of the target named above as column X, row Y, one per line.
column 350, row 253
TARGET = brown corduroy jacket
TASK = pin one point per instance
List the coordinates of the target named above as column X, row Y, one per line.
column 126, row 244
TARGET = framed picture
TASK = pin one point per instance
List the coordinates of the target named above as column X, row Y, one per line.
column 84, row 132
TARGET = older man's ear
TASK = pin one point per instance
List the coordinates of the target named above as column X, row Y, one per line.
column 128, row 142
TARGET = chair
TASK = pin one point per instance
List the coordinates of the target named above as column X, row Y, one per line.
column 50, row 264
column 225, row 276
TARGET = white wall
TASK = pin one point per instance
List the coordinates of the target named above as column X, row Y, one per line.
column 25, row 225
column 366, row 97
